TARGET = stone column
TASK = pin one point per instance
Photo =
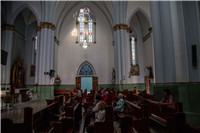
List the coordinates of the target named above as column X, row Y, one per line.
column 45, row 57
column 167, row 41
column 94, row 31
column 7, row 39
column 157, row 43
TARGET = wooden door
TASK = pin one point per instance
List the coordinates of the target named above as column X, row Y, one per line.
column 95, row 84
column 147, row 84
column 78, row 82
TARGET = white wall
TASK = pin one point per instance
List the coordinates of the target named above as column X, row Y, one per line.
column 132, row 5
column 69, row 55
column 144, row 49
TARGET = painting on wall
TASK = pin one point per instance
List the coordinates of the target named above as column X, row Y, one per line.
column 32, row 71
column 135, row 70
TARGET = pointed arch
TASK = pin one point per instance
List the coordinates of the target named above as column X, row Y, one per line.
column 143, row 12
column 21, row 8
column 82, row 65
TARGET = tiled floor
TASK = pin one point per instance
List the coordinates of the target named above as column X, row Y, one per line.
column 17, row 112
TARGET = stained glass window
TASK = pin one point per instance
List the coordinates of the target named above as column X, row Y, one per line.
column 86, row 70
column 133, row 50
column 90, row 30
column 81, row 31
column 35, row 43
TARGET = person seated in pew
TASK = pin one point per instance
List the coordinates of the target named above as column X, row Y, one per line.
column 70, row 94
column 167, row 99
column 141, row 100
column 99, row 116
column 73, row 102
column 119, row 107
column 79, row 94
column 93, row 111
column 136, row 91
column 102, row 93
column 105, row 99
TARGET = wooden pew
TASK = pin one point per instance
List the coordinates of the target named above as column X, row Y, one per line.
column 66, row 125
column 108, row 125
column 6, row 125
column 134, row 118
column 164, row 115
column 74, row 112
column 182, row 126
column 42, row 118
column 62, row 91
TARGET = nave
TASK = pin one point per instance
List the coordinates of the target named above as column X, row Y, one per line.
column 40, row 116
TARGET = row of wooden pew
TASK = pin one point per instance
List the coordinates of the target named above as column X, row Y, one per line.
column 137, row 119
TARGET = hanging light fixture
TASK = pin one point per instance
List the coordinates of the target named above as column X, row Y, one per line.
column 82, row 17
column 85, row 44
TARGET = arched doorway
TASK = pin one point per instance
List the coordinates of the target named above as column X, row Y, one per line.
column 86, row 77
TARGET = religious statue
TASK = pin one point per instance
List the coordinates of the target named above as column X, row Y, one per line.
column 113, row 75
column 150, row 71
column 57, row 80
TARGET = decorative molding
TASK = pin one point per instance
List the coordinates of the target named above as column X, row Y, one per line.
column 94, row 22
column 95, row 42
column 76, row 42
column 46, row 25
column 122, row 26
column 77, row 22
column 20, row 34
column 33, row 38
column 38, row 28
column 148, row 35
column 7, row 27
column 56, row 40
column 86, row 22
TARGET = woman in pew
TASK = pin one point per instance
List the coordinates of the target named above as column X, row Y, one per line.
column 105, row 99
column 102, row 94
column 168, row 99
column 120, row 106
column 100, row 117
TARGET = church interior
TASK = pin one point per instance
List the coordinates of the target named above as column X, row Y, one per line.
column 100, row 66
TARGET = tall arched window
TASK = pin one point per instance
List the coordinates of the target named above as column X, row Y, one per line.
column 133, row 51
column 90, row 26
column 81, row 31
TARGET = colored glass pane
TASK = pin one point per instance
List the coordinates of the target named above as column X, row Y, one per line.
column 86, row 70
column 133, row 50
column 90, row 25
column 81, row 31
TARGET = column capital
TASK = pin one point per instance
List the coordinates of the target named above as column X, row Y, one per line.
column 94, row 22
column 8, row 27
column 86, row 22
column 47, row 25
column 121, row 26
column 33, row 38
column 77, row 22
column 38, row 28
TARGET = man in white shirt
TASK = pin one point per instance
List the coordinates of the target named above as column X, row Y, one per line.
column 94, row 110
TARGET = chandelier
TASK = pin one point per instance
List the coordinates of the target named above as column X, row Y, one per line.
column 82, row 17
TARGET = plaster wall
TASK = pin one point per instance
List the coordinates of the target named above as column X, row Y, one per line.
column 134, row 4
column 192, row 37
column 28, row 52
column 70, row 55
column 35, row 4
